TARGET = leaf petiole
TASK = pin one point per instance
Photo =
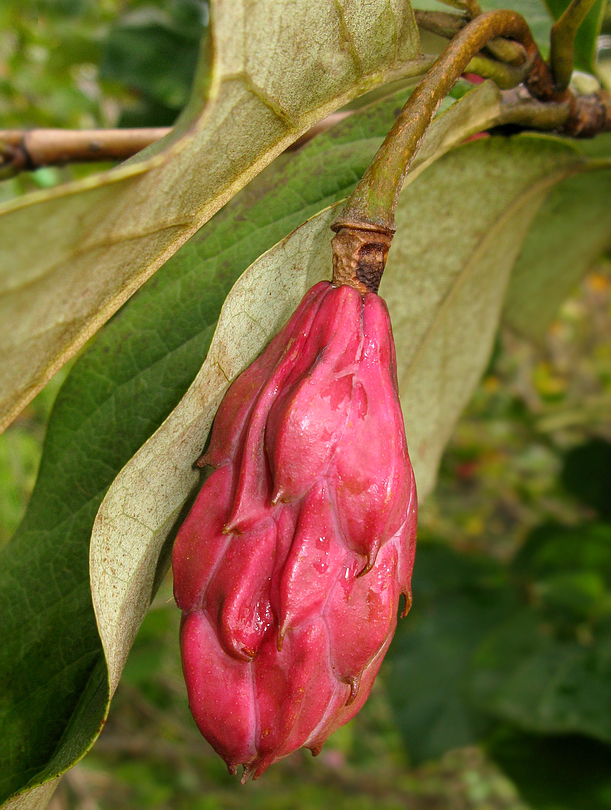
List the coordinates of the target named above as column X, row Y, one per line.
column 373, row 203
column 562, row 45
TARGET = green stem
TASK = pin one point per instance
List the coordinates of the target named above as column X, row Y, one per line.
column 473, row 8
column 520, row 109
column 442, row 23
column 502, row 49
column 373, row 203
column 459, row 4
column 447, row 25
column 505, row 76
column 562, row 45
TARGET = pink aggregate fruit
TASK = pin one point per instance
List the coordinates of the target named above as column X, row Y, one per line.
column 290, row 566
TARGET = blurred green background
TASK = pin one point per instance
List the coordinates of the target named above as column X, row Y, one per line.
column 492, row 689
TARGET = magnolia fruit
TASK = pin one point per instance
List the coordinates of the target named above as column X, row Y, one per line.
column 290, row 566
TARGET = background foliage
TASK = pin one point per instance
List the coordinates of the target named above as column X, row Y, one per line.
column 506, row 657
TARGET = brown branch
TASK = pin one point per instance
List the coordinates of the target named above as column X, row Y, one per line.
column 365, row 227
column 373, row 202
column 589, row 115
column 26, row 150
column 22, row 150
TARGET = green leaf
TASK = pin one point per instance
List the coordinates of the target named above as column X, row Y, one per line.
column 588, row 33
column 132, row 527
column 523, row 674
column 132, row 530
column 117, row 394
column 73, row 254
column 148, row 52
column 555, row 773
column 548, row 668
column 457, row 599
column 570, row 232
column 474, row 652
column 551, row 549
column 586, row 474
column 138, row 369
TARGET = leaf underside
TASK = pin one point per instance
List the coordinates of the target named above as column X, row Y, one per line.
column 475, row 206
column 269, row 71
column 115, row 397
column 445, row 310
column 570, row 232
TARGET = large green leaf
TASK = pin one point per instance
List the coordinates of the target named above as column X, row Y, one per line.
column 457, row 599
column 445, row 308
column 544, row 684
column 555, row 773
column 138, row 369
column 130, row 529
column 115, row 397
column 72, row 255
column 154, row 52
column 570, row 232
column 586, row 474
column 491, row 646
column 548, row 668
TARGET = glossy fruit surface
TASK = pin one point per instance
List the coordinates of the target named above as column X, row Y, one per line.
column 291, row 564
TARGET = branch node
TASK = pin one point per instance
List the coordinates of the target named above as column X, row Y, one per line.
column 359, row 255
column 589, row 115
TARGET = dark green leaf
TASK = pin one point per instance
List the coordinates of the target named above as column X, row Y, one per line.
column 117, row 394
column 145, row 52
column 587, row 474
column 555, row 773
column 547, row 668
column 552, row 548
column 475, row 650
column 523, row 673
column 457, row 599
column 567, row 571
